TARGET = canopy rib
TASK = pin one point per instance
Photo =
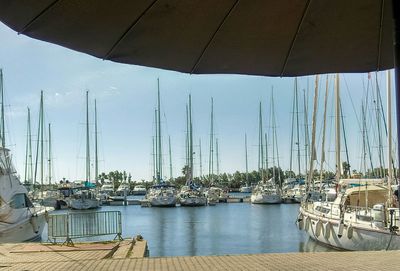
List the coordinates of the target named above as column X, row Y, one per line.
column 134, row 23
column 38, row 16
column 378, row 60
column 295, row 37
column 212, row 37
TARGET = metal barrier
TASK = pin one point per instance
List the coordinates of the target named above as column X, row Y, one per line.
column 84, row 224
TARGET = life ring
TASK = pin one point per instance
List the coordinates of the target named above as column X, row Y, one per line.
column 318, row 228
column 350, row 232
column 328, row 228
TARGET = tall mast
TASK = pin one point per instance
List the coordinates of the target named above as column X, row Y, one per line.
column 153, row 155
column 389, row 138
column 337, row 128
column 314, row 128
column 324, row 133
column 266, row 155
column 170, row 158
column 39, row 144
column 378, row 120
column 211, row 154
column 297, row 125
column 217, row 155
column 344, row 137
column 49, row 158
column 28, row 151
column 190, row 139
column 2, row 128
column 364, row 143
column 187, row 137
column 291, row 135
column 155, row 148
column 200, row 158
column 96, row 157
column 275, row 139
column 306, row 136
column 260, row 148
column 87, row 139
column 247, row 166
column 159, row 132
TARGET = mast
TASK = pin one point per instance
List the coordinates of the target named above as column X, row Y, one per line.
column 28, row 152
column 337, row 128
column 170, row 158
column 153, row 158
column 96, row 157
column 39, row 144
column 200, row 158
column 217, row 155
column 276, row 140
column 190, row 140
column 389, row 138
column 87, row 139
column 324, row 133
column 49, row 158
column 297, row 122
column 260, row 148
column 344, row 138
column 247, row 165
column 396, row 45
column 187, row 137
column 266, row 156
column 310, row 182
column 378, row 122
column 159, row 158
column 211, row 154
column 306, row 135
column 291, row 136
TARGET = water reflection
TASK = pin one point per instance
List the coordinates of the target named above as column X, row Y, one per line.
column 235, row 228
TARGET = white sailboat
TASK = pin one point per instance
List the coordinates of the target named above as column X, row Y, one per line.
column 190, row 194
column 85, row 198
column 20, row 220
column 361, row 217
column 160, row 194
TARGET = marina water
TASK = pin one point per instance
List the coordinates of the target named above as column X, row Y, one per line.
column 227, row 228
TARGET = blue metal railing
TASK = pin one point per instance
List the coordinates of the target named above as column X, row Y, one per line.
column 84, row 225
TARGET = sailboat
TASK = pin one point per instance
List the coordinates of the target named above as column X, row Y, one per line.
column 191, row 194
column 266, row 192
column 85, row 197
column 362, row 216
column 160, row 194
column 246, row 188
column 20, row 220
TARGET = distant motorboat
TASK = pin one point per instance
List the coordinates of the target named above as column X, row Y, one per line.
column 107, row 188
column 139, row 190
column 122, row 188
column 246, row 189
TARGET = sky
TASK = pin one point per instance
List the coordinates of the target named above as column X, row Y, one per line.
column 126, row 99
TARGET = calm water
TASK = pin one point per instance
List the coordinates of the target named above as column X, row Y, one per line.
column 234, row 228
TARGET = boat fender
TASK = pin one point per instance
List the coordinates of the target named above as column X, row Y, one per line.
column 308, row 222
column 328, row 227
column 34, row 222
column 349, row 232
column 340, row 230
column 300, row 222
column 318, row 228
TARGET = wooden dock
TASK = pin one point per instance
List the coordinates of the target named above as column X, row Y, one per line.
column 129, row 255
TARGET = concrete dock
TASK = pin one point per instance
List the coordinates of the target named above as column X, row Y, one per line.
column 107, row 257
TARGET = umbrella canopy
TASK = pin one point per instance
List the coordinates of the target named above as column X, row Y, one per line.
column 259, row 37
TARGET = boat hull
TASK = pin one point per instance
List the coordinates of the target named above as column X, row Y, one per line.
column 265, row 199
column 347, row 237
column 79, row 204
column 25, row 230
column 193, row 201
column 163, row 201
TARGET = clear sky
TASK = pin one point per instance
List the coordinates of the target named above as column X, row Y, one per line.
column 126, row 98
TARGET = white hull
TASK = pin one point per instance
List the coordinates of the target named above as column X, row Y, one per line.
column 80, row 204
column 29, row 229
column 193, row 201
column 246, row 189
column 265, row 199
column 163, row 201
column 353, row 237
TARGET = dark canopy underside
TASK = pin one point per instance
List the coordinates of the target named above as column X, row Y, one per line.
column 260, row 37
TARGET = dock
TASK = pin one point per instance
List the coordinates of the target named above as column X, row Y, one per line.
column 130, row 255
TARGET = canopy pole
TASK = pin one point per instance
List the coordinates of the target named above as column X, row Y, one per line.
column 396, row 47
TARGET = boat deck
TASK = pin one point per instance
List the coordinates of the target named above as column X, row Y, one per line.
column 98, row 257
